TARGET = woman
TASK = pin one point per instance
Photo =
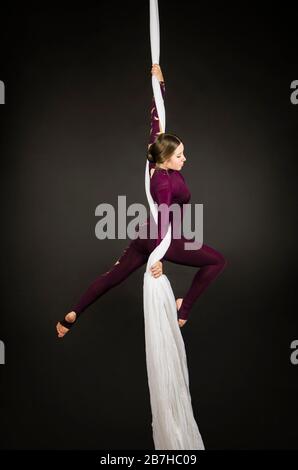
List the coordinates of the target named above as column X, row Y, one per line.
column 167, row 185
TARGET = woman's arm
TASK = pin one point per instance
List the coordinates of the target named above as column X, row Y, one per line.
column 162, row 192
column 163, row 196
column 154, row 119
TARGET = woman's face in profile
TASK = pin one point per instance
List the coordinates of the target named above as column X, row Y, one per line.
column 176, row 161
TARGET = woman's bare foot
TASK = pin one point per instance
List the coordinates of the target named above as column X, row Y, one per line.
column 62, row 330
column 178, row 304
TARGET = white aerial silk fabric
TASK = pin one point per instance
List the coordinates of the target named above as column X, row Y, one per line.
column 173, row 423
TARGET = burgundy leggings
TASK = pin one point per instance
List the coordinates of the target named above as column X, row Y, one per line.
column 209, row 261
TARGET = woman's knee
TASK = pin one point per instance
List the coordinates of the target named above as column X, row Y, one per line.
column 221, row 260
column 214, row 257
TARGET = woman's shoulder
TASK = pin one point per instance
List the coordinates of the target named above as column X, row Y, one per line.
column 160, row 179
column 161, row 173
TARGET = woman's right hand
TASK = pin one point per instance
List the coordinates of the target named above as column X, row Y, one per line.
column 156, row 70
column 156, row 269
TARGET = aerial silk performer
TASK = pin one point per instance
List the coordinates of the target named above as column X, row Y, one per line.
column 173, row 423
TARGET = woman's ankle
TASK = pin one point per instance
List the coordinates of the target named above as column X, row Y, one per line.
column 71, row 316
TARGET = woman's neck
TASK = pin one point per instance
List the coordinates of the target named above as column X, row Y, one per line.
column 159, row 167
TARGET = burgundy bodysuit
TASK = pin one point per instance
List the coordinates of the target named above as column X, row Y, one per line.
column 166, row 186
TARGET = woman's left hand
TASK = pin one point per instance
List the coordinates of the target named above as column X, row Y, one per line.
column 156, row 70
column 156, row 269
column 181, row 322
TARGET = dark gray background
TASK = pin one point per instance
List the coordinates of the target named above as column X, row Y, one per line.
column 74, row 131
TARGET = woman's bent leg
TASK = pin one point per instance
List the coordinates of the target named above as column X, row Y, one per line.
column 210, row 262
column 130, row 260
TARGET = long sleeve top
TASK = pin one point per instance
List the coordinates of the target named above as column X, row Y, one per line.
column 166, row 186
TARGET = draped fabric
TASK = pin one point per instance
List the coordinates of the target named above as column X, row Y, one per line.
column 173, row 423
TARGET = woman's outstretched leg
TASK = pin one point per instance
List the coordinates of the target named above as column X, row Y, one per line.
column 210, row 262
column 130, row 260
